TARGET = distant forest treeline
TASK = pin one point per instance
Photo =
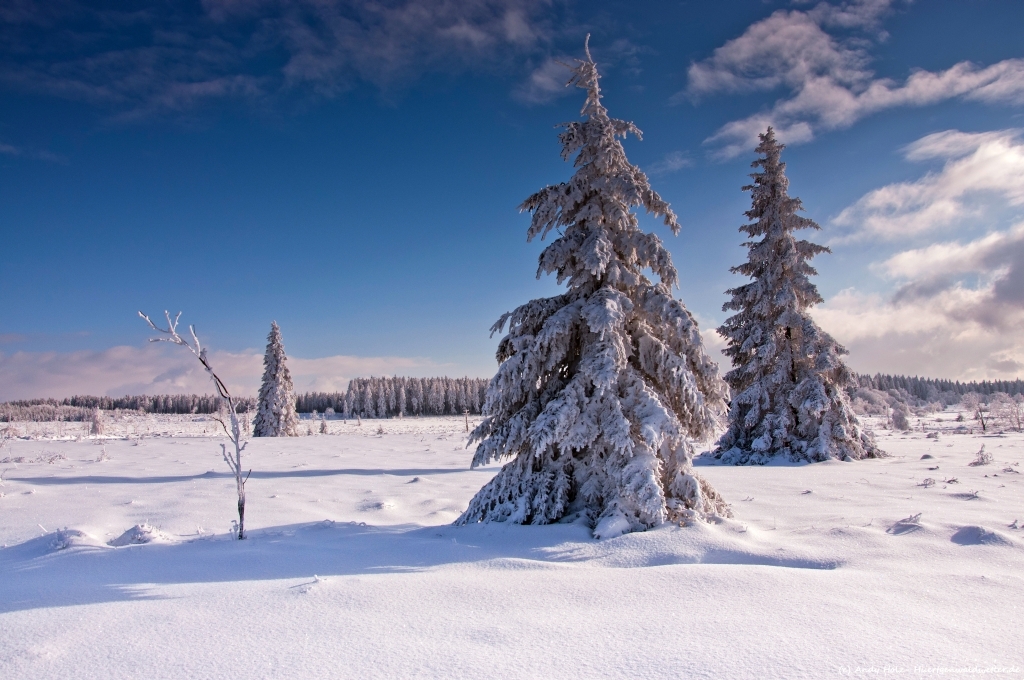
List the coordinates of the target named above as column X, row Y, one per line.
column 389, row 397
column 945, row 391
column 365, row 397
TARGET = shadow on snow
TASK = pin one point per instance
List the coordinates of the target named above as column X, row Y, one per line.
column 35, row 575
column 256, row 474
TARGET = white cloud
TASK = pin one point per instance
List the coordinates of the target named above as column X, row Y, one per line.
column 929, row 337
column 957, row 311
column 983, row 171
column 830, row 84
column 955, row 308
column 952, row 144
column 954, row 258
column 786, row 49
column 161, row 369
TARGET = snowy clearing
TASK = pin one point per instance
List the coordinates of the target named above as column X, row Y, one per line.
column 352, row 570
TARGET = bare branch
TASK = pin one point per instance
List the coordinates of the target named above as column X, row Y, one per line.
column 234, row 432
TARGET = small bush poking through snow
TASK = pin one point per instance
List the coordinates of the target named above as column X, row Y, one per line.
column 900, row 420
column 138, row 534
column 981, row 457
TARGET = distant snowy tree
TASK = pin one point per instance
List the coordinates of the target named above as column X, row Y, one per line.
column 416, row 399
column 275, row 412
column 96, row 426
column 390, row 395
column 900, row 419
column 602, row 388
column 1007, row 409
column 366, row 409
column 382, row 400
column 788, row 378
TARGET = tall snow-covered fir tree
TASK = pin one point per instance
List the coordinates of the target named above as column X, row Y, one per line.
column 788, row 376
column 275, row 411
column 600, row 390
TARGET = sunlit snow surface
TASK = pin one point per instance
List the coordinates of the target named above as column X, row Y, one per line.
column 351, row 569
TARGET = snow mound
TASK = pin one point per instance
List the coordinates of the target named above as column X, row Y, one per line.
column 141, row 533
column 728, row 542
column 976, row 535
column 53, row 542
column 65, row 538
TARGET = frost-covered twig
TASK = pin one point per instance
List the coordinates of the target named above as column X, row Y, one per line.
column 234, row 431
column 905, row 525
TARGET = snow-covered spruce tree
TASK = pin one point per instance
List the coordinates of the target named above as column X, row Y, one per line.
column 602, row 388
column 275, row 411
column 788, row 376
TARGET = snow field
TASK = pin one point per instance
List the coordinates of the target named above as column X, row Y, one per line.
column 353, row 570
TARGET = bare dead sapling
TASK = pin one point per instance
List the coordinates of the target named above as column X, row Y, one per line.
column 232, row 427
column 976, row 406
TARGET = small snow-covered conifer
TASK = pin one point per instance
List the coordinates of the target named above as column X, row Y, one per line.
column 275, row 412
column 96, row 425
column 602, row 388
column 788, row 376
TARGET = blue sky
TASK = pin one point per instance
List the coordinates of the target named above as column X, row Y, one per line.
column 352, row 170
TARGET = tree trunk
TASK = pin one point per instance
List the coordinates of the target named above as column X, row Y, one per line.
column 241, row 516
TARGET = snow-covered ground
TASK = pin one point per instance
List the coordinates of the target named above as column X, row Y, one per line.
column 352, row 570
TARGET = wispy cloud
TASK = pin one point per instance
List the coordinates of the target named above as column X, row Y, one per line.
column 159, row 369
column 825, row 69
column 545, row 83
column 11, row 338
column 153, row 57
column 17, row 151
column 671, row 162
column 982, row 172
